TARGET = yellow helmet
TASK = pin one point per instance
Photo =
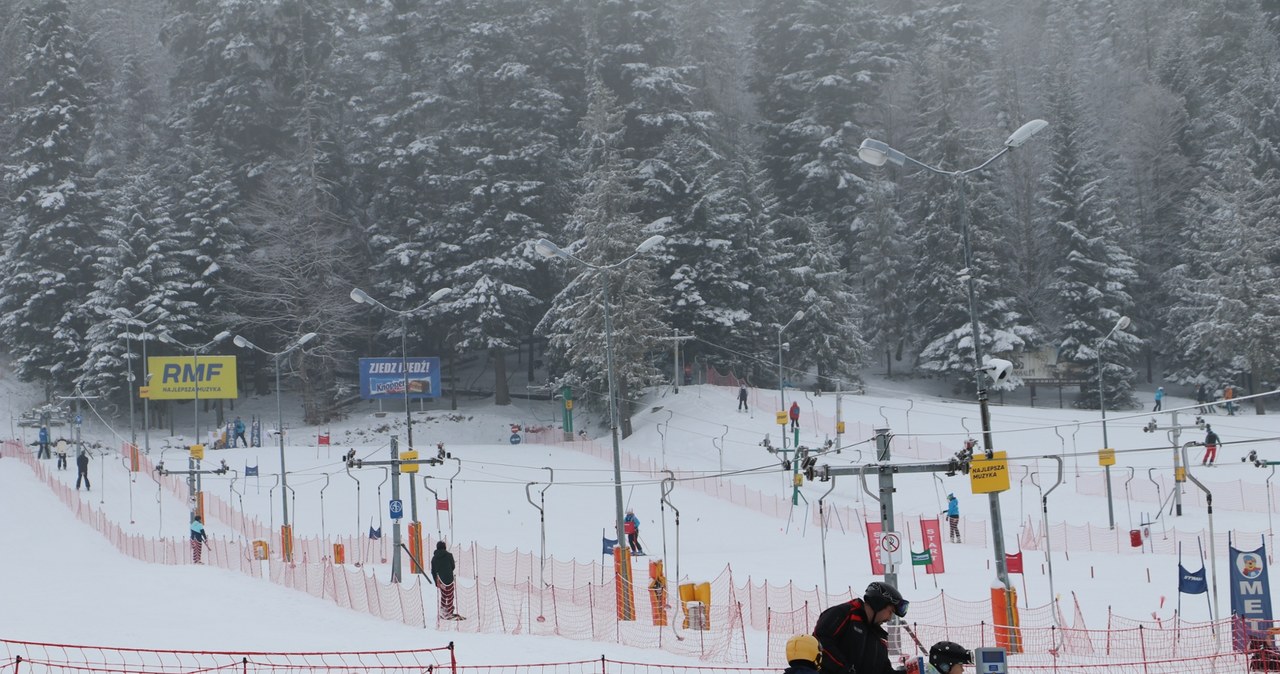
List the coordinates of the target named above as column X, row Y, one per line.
column 803, row 647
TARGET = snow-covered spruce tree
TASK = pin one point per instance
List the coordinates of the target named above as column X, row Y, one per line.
column 819, row 67
column 952, row 129
column 46, row 271
column 505, row 171
column 829, row 338
column 140, row 273
column 1093, row 272
column 606, row 232
column 884, row 252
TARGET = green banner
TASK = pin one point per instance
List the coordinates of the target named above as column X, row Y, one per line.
column 922, row 558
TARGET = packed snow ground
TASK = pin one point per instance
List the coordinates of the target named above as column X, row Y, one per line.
column 72, row 587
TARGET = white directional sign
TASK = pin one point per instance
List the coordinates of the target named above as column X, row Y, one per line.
column 890, row 546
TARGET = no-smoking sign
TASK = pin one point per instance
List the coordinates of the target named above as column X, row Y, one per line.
column 890, row 546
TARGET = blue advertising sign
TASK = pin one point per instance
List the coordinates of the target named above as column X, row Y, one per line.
column 397, row 508
column 1250, row 592
column 384, row 378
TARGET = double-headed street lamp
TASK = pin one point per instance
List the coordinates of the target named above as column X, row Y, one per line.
column 361, row 297
column 547, row 249
column 128, row 336
column 782, row 387
column 285, row 533
column 1102, row 404
column 876, row 153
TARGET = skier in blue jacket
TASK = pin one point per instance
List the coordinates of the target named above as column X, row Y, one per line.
column 198, row 538
column 631, row 527
column 953, row 517
column 1159, row 399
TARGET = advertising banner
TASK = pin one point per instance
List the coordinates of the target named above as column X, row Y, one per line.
column 177, row 377
column 384, row 378
column 1250, row 593
column 931, row 533
column 873, row 547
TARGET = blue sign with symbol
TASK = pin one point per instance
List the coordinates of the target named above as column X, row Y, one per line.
column 515, row 438
column 79, row 419
column 397, row 509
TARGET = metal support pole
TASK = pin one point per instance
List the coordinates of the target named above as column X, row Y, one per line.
column 1177, row 463
column 395, row 523
column 625, row 569
column 146, row 402
column 408, row 413
column 284, row 484
column 1102, row 404
column 886, row 496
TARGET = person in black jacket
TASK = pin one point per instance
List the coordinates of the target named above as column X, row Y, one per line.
column 82, row 470
column 442, row 568
column 852, row 639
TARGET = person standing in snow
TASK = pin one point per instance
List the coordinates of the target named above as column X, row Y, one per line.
column 238, row 436
column 742, row 397
column 442, row 568
column 42, row 443
column 794, row 413
column 198, row 538
column 1211, row 443
column 61, row 450
column 82, row 470
column 631, row 527
column 1159, row 399
column 1229, row 394
column 953, row 517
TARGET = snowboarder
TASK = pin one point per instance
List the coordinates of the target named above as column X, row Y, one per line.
column 1159, row 399
column 631, row 527
column 1229, row 393
column 794, row 413
column 953, row 517
column 198, row 538
column 851, row 635
column 742, row 397
column 82, row 470
column 238, row 436
column 442, row 567
column 1211, row 443
column 948, row 657
column 42, row 442
column 803, row 655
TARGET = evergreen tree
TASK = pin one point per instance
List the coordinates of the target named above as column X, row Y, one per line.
column 49, row 243
column 1094, row 272
column 885, row 252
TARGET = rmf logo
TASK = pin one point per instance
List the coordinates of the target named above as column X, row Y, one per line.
column 175, row 373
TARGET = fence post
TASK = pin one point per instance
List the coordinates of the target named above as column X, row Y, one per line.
column 244, row 665
column 1142, row 646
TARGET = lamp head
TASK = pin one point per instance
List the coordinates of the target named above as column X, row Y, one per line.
column 799, row 316
column 1123, row 323
column 243, row 343
column 360, row 297
column 221, row 336
column 547, row 249
column 1025, row 132
column 306, row 338
column 876, row 153
column 439, row 294
column 650, row 242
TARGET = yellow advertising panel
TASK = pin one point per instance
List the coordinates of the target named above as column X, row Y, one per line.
column 1106, row 457
column 411, row 455
column 987, row 476
column 197, row 452
column 176, row 377
column 781, row 418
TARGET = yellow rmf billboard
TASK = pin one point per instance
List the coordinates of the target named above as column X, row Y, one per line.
column 176, row 377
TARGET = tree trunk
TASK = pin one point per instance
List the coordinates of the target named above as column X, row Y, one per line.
column 624, row 409
column 501, row 391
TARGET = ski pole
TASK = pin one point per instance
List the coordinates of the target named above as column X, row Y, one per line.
column 915, row 638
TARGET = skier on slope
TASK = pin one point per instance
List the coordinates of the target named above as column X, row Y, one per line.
column 198, row 539
column 1211, row 443
column 631, row 527
column 442, row 568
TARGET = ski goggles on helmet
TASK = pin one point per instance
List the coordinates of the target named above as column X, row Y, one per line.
column 900, row 608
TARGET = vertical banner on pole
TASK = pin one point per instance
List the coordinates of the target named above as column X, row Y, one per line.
column 415, row 546
column 873, row 548
column 1250, row 594
column 931, row 530
column 625, row 593
column 286, row 542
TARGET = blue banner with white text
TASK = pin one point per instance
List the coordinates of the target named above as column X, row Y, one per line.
column 1250, row 593
column 384, row 378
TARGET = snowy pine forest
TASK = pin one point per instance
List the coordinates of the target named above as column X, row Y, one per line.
column 176, row 168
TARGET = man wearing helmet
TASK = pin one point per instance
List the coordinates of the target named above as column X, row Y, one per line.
column 851, row 634
column 803, row 655
column 948, row 657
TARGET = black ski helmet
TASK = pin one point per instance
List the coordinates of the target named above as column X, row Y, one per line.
column 945, row 654
column 880, row 594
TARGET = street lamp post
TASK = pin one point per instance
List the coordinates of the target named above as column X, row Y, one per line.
column 193, row 465
column 1102, row 404
column 285, row 533
column 361, row 297
column 876, row 153
column 133, row 434
column 548, row 250
column 782, row 388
